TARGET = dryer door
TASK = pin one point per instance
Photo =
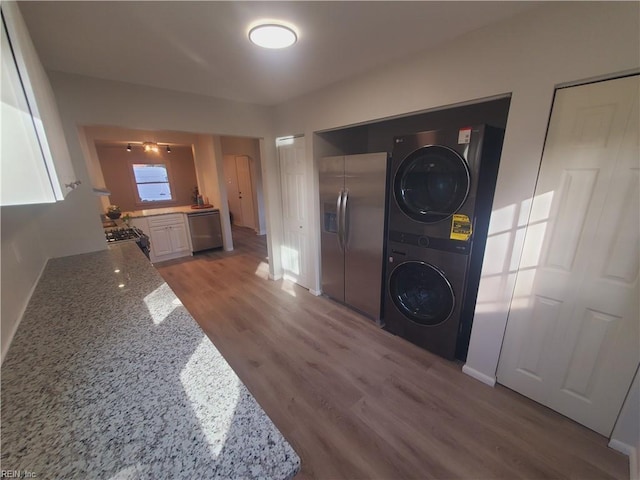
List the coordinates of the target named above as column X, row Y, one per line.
column 422, row 293
column 431, row 183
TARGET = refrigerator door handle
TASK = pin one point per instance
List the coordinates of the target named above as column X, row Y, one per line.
column 345, row 223
column 339, row 220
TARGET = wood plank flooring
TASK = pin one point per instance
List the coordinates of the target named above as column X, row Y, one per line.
column 356, row 402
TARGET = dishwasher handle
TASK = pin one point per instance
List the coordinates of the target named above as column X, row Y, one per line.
column 199, row 214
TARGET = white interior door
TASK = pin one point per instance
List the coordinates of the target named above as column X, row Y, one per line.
column 245, row 191
column 233, row 197
column 572, row 338
column 294, row 248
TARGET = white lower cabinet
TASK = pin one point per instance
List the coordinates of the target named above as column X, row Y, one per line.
column 169, row 237
column 160, row 241
column 179, row 237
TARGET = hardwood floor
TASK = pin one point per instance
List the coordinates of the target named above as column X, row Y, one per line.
column 356, row 402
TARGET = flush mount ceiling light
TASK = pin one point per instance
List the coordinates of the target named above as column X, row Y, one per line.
column 272, row 35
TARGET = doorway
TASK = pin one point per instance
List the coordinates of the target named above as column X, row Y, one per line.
column 240, row 192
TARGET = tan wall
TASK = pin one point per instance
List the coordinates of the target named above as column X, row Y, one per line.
column 241, row 146
column 115, row 160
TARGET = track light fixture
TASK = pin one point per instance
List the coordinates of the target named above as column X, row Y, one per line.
column 148, row 147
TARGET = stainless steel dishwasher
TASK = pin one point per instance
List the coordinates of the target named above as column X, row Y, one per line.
column 205, row 230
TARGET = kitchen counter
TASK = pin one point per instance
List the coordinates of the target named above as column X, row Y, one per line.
column 150, row 212
column 109, row 377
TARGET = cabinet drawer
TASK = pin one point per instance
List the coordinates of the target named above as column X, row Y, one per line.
column 162, row 220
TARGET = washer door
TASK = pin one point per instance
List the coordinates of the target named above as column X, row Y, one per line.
column 432, row 183
column 421, row 292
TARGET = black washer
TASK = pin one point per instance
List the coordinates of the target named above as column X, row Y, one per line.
column 422, row 293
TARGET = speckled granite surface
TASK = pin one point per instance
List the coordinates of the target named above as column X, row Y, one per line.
column 109, row 377
column 168, row 210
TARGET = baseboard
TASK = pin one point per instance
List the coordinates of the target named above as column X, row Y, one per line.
column 275, row 277
column 486, row 379
column 315, row 293
column 24, row 308
column 631, row 452
column 171, row 256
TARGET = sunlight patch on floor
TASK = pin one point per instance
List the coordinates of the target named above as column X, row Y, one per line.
column 263, row 270
column 289, row 287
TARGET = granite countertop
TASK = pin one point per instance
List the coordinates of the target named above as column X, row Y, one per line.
column 109, row 377
column 150, row 212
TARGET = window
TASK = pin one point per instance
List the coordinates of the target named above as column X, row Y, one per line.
column 152, row 182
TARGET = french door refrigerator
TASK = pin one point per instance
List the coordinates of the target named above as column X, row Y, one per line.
column 352, row 216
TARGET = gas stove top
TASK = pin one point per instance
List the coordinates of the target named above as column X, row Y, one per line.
column 129, row 234
column 123, row 234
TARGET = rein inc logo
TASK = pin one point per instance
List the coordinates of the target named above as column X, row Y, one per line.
column 17, row 474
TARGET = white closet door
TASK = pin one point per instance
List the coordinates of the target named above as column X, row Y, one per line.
column 294, row 250
column 245, row 191
column 572, row 338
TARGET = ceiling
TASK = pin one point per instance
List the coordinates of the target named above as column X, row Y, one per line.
column 202, row 47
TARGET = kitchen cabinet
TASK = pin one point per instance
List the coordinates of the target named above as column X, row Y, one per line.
column 35, row 161
column 169, row 237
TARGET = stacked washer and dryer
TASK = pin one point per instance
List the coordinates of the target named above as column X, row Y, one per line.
column 442, row 186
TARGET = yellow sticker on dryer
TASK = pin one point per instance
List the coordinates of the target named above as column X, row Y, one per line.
column 460, row 227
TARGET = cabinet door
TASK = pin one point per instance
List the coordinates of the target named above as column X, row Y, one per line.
column 24, row 177
column 160, row 241
column 56, row 160
column 179, row 238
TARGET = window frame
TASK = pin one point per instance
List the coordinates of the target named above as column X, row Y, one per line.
column 134, row 185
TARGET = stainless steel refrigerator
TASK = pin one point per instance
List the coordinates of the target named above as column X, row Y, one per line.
column 352, row 217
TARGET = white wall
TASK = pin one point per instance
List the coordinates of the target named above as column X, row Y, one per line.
column 211, row 145
column 528, row 56
column 73, row 226
column 85, row 101
column 24, row 256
